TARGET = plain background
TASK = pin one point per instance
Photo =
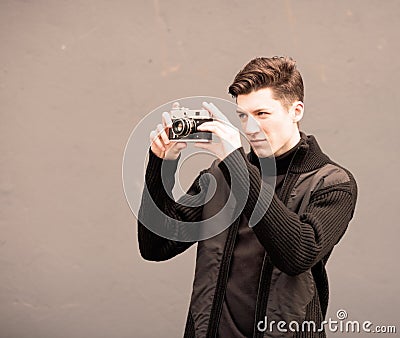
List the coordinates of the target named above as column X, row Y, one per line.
column 75, row 79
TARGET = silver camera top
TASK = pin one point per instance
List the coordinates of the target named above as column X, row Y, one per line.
column 182, row 112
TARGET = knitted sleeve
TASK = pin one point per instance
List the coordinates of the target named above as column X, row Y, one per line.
column 159, row 210
column 294, row 242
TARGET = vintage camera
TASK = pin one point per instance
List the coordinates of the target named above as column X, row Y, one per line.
column 185, row 123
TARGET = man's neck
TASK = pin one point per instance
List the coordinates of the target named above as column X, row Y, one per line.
column 289, row 145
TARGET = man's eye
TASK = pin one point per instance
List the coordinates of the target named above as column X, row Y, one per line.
column 261, row 113
column 242, row 116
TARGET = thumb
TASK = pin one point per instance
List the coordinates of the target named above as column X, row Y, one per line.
column 178, row 146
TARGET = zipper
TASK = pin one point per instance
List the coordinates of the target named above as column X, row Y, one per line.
column 285, row 197
column 260, row 310
column 222, row 281
column 258, row 296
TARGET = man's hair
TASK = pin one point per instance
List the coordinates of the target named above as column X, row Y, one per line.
column 278, row 73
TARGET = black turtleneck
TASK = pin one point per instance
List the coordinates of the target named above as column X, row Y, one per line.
column 238, row 312
column 282, row 163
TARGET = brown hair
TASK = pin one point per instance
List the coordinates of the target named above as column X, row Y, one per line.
column 278, row 73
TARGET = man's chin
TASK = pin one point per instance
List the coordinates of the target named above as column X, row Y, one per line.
column 262, row 152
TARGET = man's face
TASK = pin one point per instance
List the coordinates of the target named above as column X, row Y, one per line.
column 270, row 128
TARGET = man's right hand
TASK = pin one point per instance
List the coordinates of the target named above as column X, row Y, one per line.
column 161, row 146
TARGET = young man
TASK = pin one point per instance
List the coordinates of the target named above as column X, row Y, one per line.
column 264, row 276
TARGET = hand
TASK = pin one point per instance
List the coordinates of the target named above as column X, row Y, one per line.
column 227, row 133
column 161, row 146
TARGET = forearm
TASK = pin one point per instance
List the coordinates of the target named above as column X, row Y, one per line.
column 160, row 214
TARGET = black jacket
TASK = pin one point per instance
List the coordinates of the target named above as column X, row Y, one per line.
column 298, row 230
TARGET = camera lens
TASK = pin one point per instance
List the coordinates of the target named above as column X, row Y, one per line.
column 181, row 127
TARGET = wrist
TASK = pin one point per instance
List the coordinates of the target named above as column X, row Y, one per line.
column 230, row 161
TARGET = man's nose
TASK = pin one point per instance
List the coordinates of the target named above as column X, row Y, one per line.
column 251, row 126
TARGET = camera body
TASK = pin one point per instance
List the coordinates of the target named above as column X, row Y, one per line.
column 185, row 123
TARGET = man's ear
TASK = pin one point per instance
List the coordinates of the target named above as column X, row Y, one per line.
column 296, row 111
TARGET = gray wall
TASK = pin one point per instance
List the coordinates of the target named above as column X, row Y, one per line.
column 75, row 79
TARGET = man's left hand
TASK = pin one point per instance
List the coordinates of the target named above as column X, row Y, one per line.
column 228, row 134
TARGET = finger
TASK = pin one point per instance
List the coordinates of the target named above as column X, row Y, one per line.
column 217, row 127
column 153, row 135
column 166, row 118
column 218, row 113
column 159, row 144
column 156, row 140
column 162, row 134
column 210, row 126
column 180, row 145
column 213, row 129
column 226, row 127
column 203, row 145
column 215, row 112
column 175, row 105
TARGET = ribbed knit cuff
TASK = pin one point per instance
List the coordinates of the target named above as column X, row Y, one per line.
column 235, row 161
column 155, row 163
column 160, row 175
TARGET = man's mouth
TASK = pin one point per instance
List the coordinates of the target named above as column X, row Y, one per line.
column 257, row 140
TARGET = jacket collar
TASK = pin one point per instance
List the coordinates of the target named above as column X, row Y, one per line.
column 308, row 156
